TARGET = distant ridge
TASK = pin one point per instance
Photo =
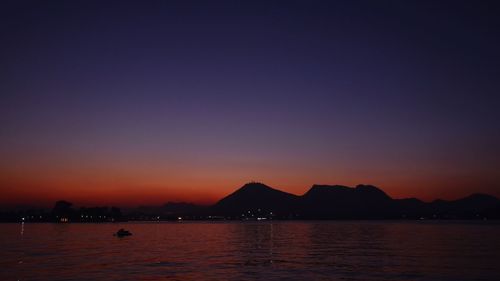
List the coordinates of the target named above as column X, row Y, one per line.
column 257, row 201
column 343, row 202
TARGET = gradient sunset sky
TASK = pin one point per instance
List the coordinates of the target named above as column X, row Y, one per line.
column 143, row 102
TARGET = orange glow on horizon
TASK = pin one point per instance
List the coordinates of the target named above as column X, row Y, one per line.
column 116, row 193
column 139, row 181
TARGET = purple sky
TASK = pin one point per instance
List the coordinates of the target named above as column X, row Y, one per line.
column 188, row 100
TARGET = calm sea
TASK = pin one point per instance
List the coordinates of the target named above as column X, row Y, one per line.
column 252, row 251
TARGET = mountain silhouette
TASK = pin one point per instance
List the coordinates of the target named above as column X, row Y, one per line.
column 475, row 205
column 257, row 201
column 336, row 201
column 343, row 202
column 256, row 198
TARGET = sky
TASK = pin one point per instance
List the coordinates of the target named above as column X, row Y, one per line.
column 143, row 102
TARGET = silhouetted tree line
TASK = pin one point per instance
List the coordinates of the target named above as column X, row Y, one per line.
column 63, row 211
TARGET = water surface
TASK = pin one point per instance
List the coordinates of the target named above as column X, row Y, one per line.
column 252, row 251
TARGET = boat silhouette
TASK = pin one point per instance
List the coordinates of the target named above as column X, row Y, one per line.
column 122, row 233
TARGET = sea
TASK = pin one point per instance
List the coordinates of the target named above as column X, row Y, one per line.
column 258, row 250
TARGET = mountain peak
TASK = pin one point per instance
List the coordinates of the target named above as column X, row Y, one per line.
column 255, row 196
column 254, row 186
column 480, row 198
column 367, row 187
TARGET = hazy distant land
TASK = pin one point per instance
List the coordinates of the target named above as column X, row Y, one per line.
column 257, row 201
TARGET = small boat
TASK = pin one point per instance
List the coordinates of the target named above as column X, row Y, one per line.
column 122, row 233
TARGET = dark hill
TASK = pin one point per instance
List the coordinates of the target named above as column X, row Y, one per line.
column 342, row 202
column 475, row 205
column 255, row 198
column 413, row 208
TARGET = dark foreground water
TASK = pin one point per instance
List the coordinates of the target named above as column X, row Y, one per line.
column 252, row 251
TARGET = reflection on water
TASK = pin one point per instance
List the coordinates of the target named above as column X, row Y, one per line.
column 252, row 251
